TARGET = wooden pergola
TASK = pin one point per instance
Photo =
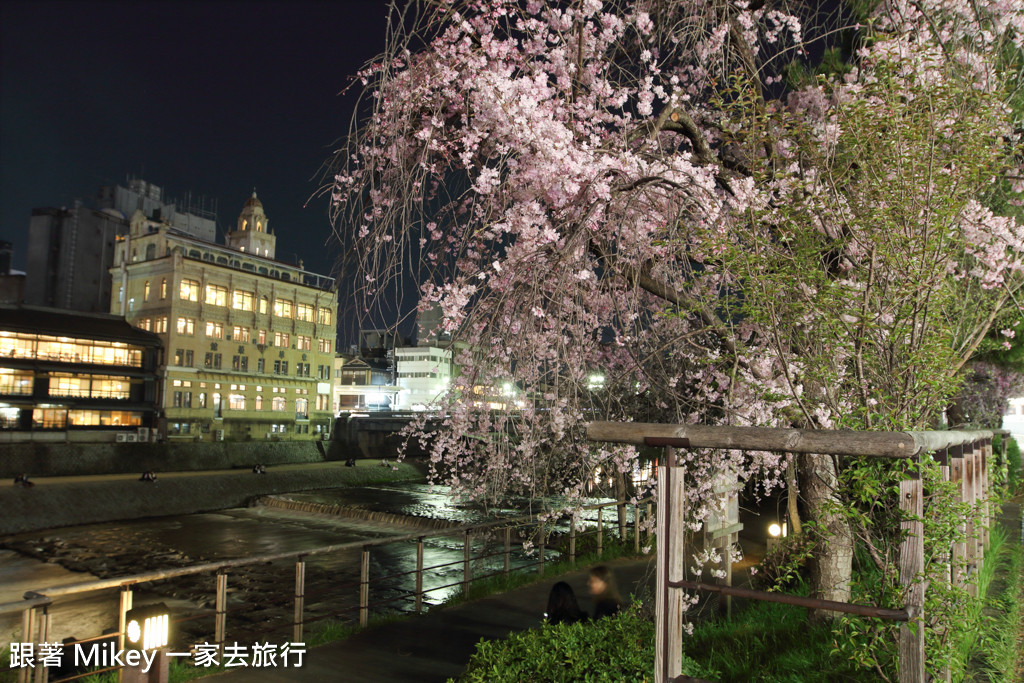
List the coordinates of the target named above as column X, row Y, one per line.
column 963, row 456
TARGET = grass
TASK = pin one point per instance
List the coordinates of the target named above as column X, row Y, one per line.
column 972, row 633
column 7, row 674
column 994, row 650
column 770, row 642
column 499, row 583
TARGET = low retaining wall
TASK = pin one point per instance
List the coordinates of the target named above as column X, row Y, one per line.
column 70, row 459
column 104, row 499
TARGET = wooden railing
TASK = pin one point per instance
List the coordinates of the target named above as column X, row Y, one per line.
column 963, row 456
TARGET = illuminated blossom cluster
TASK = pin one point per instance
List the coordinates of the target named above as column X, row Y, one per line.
column 617, row 188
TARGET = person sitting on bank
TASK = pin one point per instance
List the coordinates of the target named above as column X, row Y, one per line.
column 148, row 475
column 259, row 469
column 562, row 605
column 601, row 583
column 351, row 462
column 22, row 480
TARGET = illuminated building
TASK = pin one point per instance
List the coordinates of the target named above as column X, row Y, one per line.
column 249, row 340
column 75, row 376
column 424, row 373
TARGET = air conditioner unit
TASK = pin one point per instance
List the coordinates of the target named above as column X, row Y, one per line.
column 218, row 434
column 143, row 433
column 121, row 437
column 131, row 438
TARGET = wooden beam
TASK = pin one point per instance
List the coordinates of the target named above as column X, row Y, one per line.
column 835, row 442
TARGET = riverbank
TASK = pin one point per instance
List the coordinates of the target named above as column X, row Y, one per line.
column 73, row 458
column 65, row 501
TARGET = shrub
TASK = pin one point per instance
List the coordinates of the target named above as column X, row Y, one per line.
column 619, row 648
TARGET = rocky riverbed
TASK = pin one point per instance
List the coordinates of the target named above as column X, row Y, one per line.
column 260, row 597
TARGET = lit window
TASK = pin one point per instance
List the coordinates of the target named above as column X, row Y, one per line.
column 216, row 295
column 283, row 308
column 323, row 316
column 282, row 339
column 215, row 330
column 16, row 382
column 188, row 290
column 278, row 403
column 187, row 326
column 263, row 305
column 303, row 343
column 302, row 408
column 49, row 418
column 145, row 291
column 145, row 324
column 259, row 402
column 323, row 345
column 163, row 288
column 236, row 402
column 240, row 334
column 261, row 337
column 160, row 324
column 304, row 312
column 242, row 300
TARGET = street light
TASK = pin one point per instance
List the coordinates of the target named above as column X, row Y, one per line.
column 148, row 627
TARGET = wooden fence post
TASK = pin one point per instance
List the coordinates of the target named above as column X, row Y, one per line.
column 300, row 600
column 467, row 551
column 959, row 559
column 986, row 458
column 364, row 587
column 911, row 660
column 419, row 574
column 572, row 539
column 600, row 531
column 42, row 672
column 28, row 632
column 542, row 541
column 221, row 605
column 636, row 528
column 945, row 576
column 668, row 648
column 508, row 550
column 972, row 531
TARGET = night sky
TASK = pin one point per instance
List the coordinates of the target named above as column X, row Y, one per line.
column 212, row 98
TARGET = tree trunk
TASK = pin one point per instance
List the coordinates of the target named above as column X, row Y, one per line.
column 792, row 494
column 831, row 562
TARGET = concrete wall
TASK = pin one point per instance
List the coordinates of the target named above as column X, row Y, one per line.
column 103, row 499
column 69, row 459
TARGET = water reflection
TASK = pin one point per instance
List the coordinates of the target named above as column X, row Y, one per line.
column 261, row 597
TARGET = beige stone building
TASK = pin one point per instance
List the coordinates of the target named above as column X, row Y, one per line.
column 249, row 341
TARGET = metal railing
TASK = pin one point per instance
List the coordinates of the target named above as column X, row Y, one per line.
column 489, row 549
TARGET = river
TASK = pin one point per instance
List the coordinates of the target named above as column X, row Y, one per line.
column 261, row 597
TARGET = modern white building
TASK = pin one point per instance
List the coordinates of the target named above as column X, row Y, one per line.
column 1014, row 418
column 424, row 375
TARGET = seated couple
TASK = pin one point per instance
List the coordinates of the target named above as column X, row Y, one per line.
column 562, row 605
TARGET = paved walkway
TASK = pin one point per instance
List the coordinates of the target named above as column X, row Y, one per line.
column 438, row 645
